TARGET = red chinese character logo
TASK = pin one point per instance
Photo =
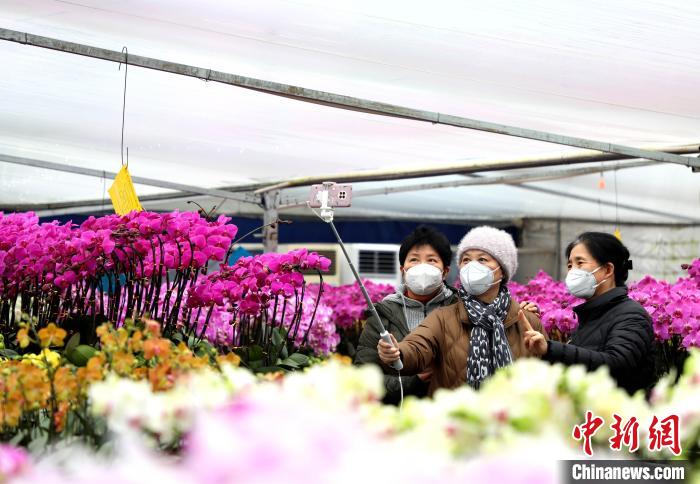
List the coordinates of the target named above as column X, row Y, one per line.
column 587, row 430
column 627, row 435
column 666, row 436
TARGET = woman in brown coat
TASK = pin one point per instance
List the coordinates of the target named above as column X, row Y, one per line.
column 467, row 341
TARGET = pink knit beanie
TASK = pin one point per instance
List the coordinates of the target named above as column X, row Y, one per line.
column 498, row 243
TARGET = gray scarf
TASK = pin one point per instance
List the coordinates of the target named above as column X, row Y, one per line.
column 489, row 348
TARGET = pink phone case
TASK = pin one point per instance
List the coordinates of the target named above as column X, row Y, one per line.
column 338, row 195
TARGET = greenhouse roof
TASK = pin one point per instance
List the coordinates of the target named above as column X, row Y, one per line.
column 622, row 72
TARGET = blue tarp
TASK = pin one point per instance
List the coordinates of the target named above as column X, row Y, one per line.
column 359, row 231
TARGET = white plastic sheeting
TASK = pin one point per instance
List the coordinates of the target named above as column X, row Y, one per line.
column 658, row 253
column 625, row 72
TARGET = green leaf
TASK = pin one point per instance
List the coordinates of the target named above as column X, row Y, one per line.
column 73, row 343
column 289, row 363
column 8, row 353
column 203, row 348
column 38, row 445
column 17, row 438
column 255, row 364
column 277, row 338
column 255, row 353
column 106, row 450
column 299, row 359
column 81, row 354
column 285, row 352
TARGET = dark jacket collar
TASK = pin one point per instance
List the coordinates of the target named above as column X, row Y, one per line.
column 597, row 306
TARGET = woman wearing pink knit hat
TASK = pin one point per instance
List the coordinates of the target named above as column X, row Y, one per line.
column 469, row 340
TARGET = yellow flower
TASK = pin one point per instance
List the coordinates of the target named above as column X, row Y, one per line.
column 140, row 373
column 136, row 342
column 93, row 371
column 273, row 376
column 122, row 337
column 23, row 338
column 159, row 347
column 31, row 359
column 52, row 357
column 40, row 360
column 51, row 335
column 61, row 416
column 108, row 337
column 230, row 358
column 342, row 359
column 31, row 385
column 102, row 329
column 12, row 411
column 152, row 327
column 123, row 362
column 65, row 385
column 161, row 377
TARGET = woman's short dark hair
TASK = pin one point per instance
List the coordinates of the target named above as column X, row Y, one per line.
column 424, row 235
column 605, row 248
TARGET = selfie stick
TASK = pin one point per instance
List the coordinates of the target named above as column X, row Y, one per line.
column 327, row 216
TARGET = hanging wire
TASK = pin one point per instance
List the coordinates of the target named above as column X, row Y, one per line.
column 104, row 189
column 125, row 51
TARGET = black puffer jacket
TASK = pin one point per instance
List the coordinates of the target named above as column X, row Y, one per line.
column 615, row 331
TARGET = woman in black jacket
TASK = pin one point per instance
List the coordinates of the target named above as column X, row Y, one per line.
column 613, row 329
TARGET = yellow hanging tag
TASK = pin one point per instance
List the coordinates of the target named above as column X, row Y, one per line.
column 123, row 193
column 618, row 234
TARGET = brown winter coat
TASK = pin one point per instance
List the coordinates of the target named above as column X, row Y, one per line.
column 442, row 341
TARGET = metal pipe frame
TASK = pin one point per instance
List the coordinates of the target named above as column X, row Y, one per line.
column 518, row 180
column 49, row 165
column 599, row 150
column 339, row 101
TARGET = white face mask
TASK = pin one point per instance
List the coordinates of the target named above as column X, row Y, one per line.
column 423, row 279
column 582, row 283
column 477, row 278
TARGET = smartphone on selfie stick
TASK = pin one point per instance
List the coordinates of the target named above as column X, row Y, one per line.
column 327, row 197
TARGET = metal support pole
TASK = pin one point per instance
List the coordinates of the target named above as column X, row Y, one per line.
column 475, row 166
column 270, row 214
column 598, row 201
column 514, row 179
column 49, row 165
column 339, row 101
column 581, row 156
column 518, row 181
column 558, row 252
